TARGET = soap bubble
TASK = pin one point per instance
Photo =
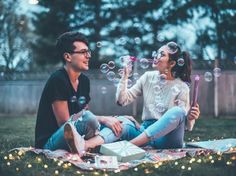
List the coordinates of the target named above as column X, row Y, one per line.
column 125, row 60
column 82, row 100
column 111, row 64
column 208, row 76
column 103, row 90
column 111, row 75
column 180, row 62
column 160, row 38
column 160, row 107
column 144, row 63
column 175, row 90
column 99, row 44
column 137, row 40
column 116, row 82
column 104, row 68
column 135, row 76
column 217, row 72
column 121, row 72
column 122, row 41
column 172, row 47
column 130, row 83
column 73, row 99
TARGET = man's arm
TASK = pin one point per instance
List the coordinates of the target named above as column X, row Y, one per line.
column 60, row 109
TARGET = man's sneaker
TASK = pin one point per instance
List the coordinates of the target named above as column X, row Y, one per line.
column 74, row 140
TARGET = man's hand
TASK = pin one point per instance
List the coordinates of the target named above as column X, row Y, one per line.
column 114, row 124
column 194, row 113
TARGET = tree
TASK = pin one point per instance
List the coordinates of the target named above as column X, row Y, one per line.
column 13, row 38
column 52, row 21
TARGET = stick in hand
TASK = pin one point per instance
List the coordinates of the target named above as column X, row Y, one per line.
column 195, row 90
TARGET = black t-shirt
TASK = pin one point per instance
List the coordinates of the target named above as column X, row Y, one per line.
column 59, row 87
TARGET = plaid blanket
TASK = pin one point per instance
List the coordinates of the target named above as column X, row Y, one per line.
column 151, row 156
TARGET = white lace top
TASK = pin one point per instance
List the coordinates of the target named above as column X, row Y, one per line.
column 159, row 95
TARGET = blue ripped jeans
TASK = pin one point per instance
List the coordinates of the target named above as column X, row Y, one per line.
column 167, row 132
column 86, row 126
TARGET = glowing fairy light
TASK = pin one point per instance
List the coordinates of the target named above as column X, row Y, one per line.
column 78, row 172
column 8, row 163
column 90, row 168
column 69, row 164
column 56, row 172
column 29, row 165
column 147, row 171
column 183, row 167
column 20, row 153
column 212, row 161
column 45, row 166
column 117, row 170
column 156, row 166
column 136, row 169
column 176, row 163
column 189, row 168
column 39, row 159
column 199, row 160
column 96, row 173
column 228, row 162
column 17, row 169
column 55, row 159
column 5, row 157
column 210, row 157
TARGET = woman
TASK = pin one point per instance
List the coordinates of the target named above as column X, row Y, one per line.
column 165, row 93
column 166, row 103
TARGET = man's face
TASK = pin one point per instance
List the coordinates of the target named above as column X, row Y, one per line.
column 79, row 58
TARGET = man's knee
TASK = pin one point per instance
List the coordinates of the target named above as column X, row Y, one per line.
column 88, row 125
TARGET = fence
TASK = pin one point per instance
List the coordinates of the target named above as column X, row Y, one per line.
column 22, row 97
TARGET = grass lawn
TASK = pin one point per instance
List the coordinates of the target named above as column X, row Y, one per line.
column 19, row 132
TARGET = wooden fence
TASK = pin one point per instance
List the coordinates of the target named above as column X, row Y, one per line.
column 22, row 97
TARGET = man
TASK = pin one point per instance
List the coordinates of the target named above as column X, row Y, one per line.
column 66, row 93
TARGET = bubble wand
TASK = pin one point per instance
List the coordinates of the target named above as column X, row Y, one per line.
column 195, row 90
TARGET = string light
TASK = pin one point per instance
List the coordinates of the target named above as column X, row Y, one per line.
column 182, row 167
column 17, row 169
column 176, row 163
column 45, row 166
column 56, row 172
column 8, row 163
column 189, row 168
column 29, row 165
column 96, row 173
column 136, row 169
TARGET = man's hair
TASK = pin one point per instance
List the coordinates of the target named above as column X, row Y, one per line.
column 65, row 42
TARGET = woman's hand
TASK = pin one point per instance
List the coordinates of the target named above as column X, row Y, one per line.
column 194, row 113
column 114, row 124
column 131, row 118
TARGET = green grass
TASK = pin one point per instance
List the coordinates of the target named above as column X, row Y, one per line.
column 19, row 132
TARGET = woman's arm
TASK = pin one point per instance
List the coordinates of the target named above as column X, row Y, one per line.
column 125, row 96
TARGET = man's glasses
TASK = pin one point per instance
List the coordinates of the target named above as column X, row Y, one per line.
column 84, row 52
column 172, row 47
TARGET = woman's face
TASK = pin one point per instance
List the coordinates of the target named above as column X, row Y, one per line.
column 161, row 62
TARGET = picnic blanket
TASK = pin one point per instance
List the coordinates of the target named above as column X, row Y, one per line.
column 151, row 156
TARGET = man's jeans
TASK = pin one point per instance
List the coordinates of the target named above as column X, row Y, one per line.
column 167, row 132
column 87, row 126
